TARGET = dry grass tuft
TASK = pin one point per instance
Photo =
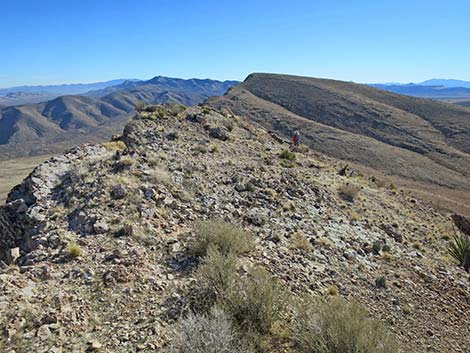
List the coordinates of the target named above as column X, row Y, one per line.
column 115, row 145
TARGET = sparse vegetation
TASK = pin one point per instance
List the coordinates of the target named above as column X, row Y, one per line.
column 224, row 237
column 301, row 242
column 337, row 326
column 288, row 155
column 124, row 163
column 349, row 191
column 160, row 175
column 333, row 290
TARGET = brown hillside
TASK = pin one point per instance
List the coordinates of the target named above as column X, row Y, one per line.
column 422, row 140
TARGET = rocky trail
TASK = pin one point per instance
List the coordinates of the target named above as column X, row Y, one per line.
column 94, row 242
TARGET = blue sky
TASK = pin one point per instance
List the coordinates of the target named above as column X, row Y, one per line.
column 64, row 41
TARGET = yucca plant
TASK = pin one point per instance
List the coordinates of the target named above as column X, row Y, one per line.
column 459, row 249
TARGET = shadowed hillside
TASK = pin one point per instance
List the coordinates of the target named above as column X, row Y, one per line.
column 422, row 140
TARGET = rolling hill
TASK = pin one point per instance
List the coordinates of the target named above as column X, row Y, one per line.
column 52, row 126
column 422, row 140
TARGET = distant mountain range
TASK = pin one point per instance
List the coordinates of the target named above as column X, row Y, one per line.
column 36, row 94
column 433, row 92
column 441, row 89
column 52, row 126
column 419, row 139
column 445, row 83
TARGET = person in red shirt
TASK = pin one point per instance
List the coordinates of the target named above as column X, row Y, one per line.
column 296, row 138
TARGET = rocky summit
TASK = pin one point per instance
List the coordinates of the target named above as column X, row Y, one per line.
column 94, row 243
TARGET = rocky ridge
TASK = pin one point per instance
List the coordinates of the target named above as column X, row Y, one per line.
column 128, row 206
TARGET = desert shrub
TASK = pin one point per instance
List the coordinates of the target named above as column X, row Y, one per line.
column 381, row 282
column 459, row 249
column 286, row 154
column 74, row 250
column 386, row 248
column 215, row 275
column 224, row 237
column 207, row 333
column 349, row 191
column 256, row 301
column 376, row 247
column 337, row 326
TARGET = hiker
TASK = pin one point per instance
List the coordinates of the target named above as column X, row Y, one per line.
column 296, row 138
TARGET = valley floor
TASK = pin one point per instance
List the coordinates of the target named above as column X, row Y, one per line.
column 13, row 171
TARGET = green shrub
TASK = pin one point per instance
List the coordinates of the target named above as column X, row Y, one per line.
column 337, row 326
column 381, row 282
column 224, row 237
column 256, row 301
column 74, row 250
column 207, row 333
column 459, row 249
column 376, row 247
column 286, row 154
column 386, row 248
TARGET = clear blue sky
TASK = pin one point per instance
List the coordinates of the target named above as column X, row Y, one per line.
column 60, row 41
